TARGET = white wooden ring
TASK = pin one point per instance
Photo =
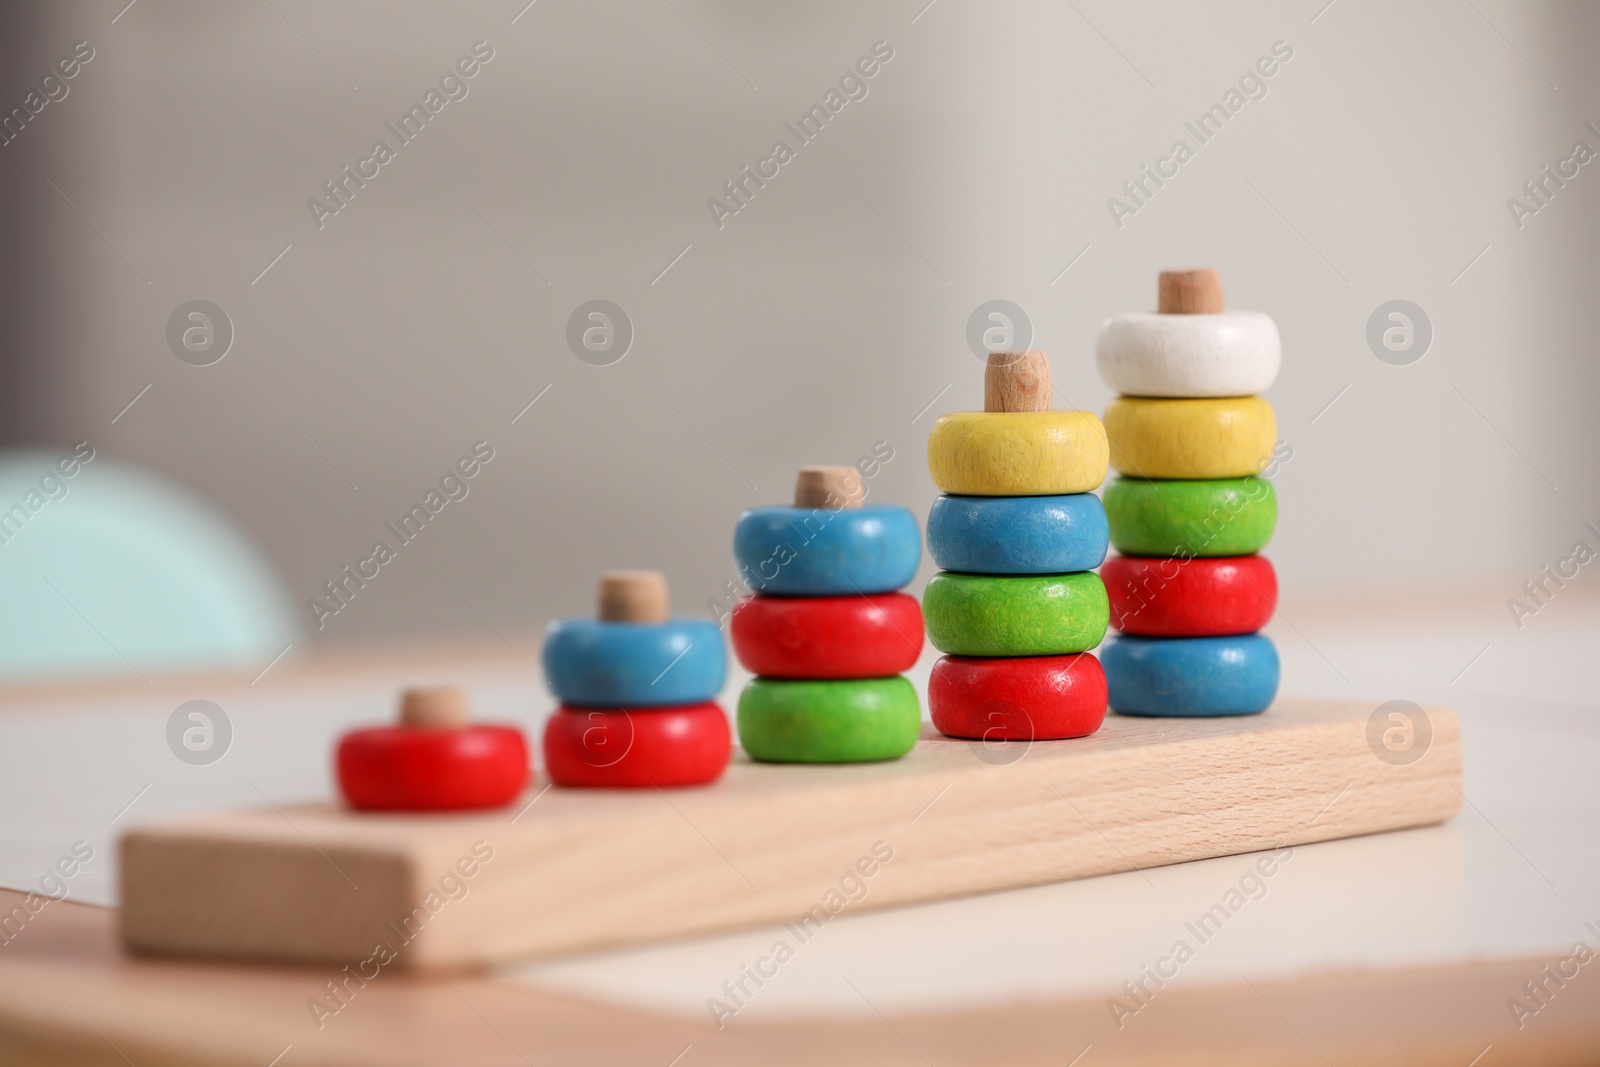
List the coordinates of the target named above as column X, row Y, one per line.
column 1236, row 353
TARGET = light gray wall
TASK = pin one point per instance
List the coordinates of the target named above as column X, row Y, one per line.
column 827, row 313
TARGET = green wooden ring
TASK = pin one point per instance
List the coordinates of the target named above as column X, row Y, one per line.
column 1015, row 615
column 835, row 721
column 1218, row 517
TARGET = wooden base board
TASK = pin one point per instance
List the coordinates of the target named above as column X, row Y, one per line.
column 69, row 998
column 577, row 869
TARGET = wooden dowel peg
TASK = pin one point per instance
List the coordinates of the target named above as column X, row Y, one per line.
column 1190, row 292
column 1017, row 381
column 434, row 708
column 633, row 596
column 829, row 487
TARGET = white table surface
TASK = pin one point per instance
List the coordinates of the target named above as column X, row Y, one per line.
column 1516, row 874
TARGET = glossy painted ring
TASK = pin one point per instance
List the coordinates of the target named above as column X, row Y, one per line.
column 1230, row 437
column 1023, row 615
column 853, row 721
column 405, row 768
column 1017, row 453
column 1142, row 353
column 1031, row 698
column 677, row 746
column 785, row 550
column 1182, row 677
column 1221, row 517
column 827, row 637
column 634, row 665
column 1018, row 534
column 1190, row 597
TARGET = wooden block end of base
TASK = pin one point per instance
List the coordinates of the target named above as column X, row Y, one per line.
column 434, row 708
column 829, row 487
column 1190, row 292
column 1017, row 381
column 633, row 596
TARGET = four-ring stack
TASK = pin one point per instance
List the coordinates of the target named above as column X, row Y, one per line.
column 1018, row 534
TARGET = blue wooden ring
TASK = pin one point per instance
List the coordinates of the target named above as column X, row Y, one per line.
column 790, row 551
column 1190, row 676
column 1018, row 534
column 634, row 665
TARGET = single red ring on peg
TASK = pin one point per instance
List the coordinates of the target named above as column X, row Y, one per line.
column 432, row 761
column 626, row 748
column 828, row 636
column 1220, row 596
column 1024, row 698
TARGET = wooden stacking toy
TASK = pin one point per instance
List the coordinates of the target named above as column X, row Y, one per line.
column 827, row 633
column 1017, row 606
column 637, row 692
column 1190, row 512
column 433, row 760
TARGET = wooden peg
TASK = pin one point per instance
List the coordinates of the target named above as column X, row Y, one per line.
column 1017, row 381
column 829, row 487
column 436, row 708
column 633, row 596
column 1190, row 292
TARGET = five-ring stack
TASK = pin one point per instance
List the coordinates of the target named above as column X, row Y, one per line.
column 1190, row 439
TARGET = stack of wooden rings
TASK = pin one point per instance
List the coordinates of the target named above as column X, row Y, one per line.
column 1018, row 534
column 827, row 634
column 1190, row 512
column 433, row 760
column 637, row 692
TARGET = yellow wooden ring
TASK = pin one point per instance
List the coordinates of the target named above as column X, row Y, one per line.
column 1017, row 453
column 1222, row 438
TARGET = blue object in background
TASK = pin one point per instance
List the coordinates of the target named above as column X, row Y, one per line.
column 597, row 664
column 1018, row 534
column 1190, row 676
column 106, row 569
column 792, row 551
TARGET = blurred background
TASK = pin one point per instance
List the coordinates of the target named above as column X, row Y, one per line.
column 369, row 349
column 228, row 378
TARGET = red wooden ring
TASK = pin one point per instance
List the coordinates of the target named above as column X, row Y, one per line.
column 404, row 768
column 1028, row 698
column 828, row 636
column 1164, row 597
column 633, row 748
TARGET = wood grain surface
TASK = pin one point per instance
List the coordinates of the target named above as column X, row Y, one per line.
column 572, row 869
